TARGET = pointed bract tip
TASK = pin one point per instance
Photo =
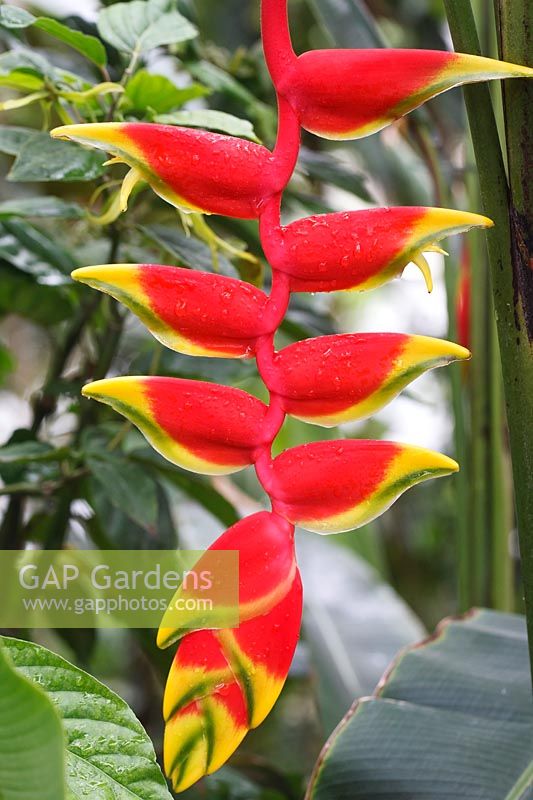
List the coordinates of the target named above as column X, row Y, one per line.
column 107, row 390
column 429, row 348
column 439, row 220
column 103, row 135
column 112, row 274
column 427, row 462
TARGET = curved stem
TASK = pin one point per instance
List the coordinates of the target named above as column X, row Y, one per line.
column 277, row 45
column 283, row 162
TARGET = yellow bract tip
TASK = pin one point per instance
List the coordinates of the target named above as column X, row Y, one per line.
column 109, row 136
column 421, row 464
column 425, row 269
column 427, row 349
column 110, row 390
column 107, row 277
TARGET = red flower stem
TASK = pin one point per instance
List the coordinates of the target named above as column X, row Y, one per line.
column 279, row 56
column 277, row 45
column 287, row 147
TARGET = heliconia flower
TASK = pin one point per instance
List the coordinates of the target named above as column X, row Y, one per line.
column 334, row 379
column 334, row 486
column 361, row 250
column 195, row 313
column 194, row 170
column 224, row 682
column 267, row 567
column 202, row 427
column 347, row 94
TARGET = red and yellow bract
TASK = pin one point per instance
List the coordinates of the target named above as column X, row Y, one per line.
column 224, row 682
column 346, row 377
column 202, row 427
column 347, row 94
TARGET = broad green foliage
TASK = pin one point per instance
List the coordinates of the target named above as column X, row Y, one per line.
column 142, row 25
column 108, row 753
column 146, row 91
column 31, row 738
column 43, row 159
column 89, row 46
column 214, row 120
column 452, row 719
column 40, row 207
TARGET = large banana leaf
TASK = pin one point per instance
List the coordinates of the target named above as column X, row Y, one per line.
column 452, row 720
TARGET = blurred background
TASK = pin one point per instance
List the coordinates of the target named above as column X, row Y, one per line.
column 75, row 474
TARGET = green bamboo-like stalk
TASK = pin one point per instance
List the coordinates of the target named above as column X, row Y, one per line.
column 500, row 517
column 480, row 520
column 501, row 591
column 515, row 29
column 512, row 278
column 462, row 482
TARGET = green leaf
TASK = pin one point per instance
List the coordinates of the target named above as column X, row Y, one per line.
column 139, row 26
column 25, row 452
column 31, row 739
column 47, row 206
column 324, row 166
column 348, row 23
column 30, row 250
column 213, row 120
column 89, row 46
column 23, row 59
column 111, row 529
column 354, row 627
column 31, row 451
column 22, row 81
column 189, row 251
column 194, row 486
column 12, row 138
column 146, row 91
column 22, row 294
column 452, row 720
column 24, row 68
column 44, row 159
column 14, row 17
column 221, row 81
column 127, row 486
column 108, row 753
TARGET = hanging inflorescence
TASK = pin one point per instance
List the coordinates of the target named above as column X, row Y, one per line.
column 224, row 682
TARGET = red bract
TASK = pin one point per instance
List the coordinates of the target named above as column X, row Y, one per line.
column 224, row 682
column 341, row 378
column 192, row 169
column 266, row 551
column 364, row 249
column 193, row 312
column 203, row 427
column 347, row 94
column 330, row 487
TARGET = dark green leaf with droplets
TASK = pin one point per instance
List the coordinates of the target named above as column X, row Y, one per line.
column 31, row 739
column 108, row 753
